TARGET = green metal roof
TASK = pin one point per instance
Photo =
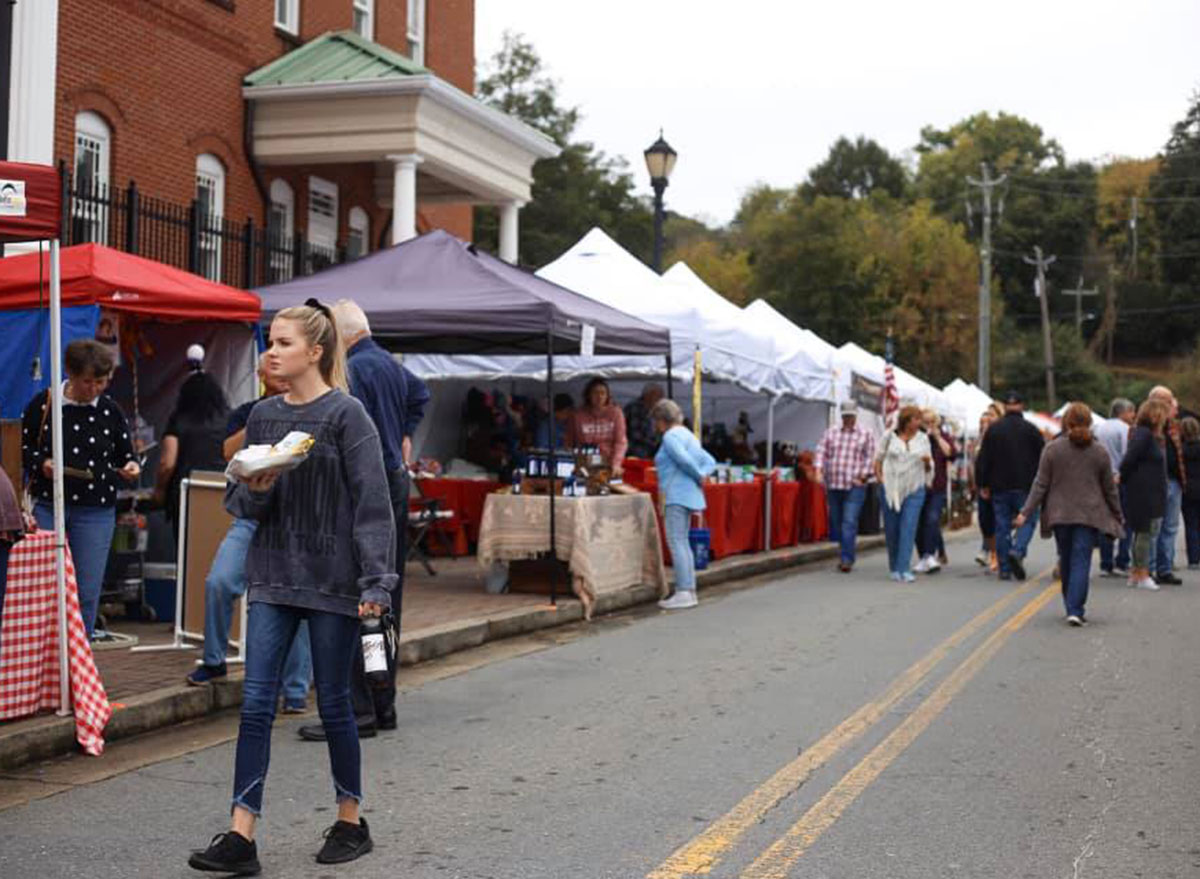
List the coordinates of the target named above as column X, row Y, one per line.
column 341, row 56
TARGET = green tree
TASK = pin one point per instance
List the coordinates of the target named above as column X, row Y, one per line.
column 579, row 189
column 851, row 269
column 855, row 169
column 1045, row 201
column 1176, row 206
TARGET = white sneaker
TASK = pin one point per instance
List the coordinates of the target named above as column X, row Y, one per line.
column 895, row 576
column 922, row 566
column 1147, row 584
column 908, row 577
column 681, row 600
column 982, row 559
column 933, row 565
column 1073, row 620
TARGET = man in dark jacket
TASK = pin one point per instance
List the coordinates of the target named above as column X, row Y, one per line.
column 1007, row 465
column 396, row 400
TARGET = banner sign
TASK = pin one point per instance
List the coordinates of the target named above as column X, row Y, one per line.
column 866, row 393
column 30, row 202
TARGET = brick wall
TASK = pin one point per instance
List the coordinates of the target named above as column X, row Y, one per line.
column 166, row 76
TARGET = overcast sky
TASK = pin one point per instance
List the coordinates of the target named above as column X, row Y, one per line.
column 756, row 91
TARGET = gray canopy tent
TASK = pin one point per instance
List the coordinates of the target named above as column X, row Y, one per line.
column 436, row 294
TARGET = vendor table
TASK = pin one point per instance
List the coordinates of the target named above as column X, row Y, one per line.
column 734, row 517
column 610, row 542
column 465, row 497
column 813, row 512
column 29, row 667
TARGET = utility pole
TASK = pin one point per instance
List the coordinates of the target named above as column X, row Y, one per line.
column 986, row 184
column 1079, row 293
column 1047, row 342
column 1133, row 218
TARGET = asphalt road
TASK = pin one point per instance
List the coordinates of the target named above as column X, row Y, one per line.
column 817, row 725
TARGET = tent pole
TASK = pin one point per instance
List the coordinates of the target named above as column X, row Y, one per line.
column 670, row 379
column 769, row 493
column 553, row 464
column 60, row 536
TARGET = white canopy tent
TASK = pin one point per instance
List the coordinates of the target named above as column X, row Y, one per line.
column 911, row 388
column 798, row 370
column 971, row 400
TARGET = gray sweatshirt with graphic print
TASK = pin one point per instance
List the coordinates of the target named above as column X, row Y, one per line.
column 326, row 539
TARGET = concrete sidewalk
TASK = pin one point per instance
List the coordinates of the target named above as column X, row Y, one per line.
column 442, row 615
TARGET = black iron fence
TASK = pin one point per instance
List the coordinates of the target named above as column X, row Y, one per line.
column 187, row 236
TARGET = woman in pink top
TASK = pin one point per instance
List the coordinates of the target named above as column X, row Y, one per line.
column 600, row 422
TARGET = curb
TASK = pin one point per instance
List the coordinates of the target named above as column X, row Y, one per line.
column 53, row 736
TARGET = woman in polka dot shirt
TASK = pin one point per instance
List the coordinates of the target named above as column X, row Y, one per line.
column 97, row 456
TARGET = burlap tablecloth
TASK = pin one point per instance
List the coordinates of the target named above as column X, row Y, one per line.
column 611, row 542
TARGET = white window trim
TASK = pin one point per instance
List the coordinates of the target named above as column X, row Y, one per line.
column 92, row 126
column 357, row 220
column 291, row 21
column 322, row 230
column 280, row 255
column 367, row 8
column 210, row 170
column 417, row 29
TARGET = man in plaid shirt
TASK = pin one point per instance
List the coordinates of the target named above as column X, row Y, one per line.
column 843, row 465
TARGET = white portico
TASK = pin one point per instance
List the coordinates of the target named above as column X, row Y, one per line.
column 343, row 98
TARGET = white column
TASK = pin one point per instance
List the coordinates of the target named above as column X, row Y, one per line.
column 404, row 196
column 509, row 235
column 32, row 79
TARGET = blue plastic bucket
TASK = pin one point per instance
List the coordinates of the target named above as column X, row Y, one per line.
column 701, row 542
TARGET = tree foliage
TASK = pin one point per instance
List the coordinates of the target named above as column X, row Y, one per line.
column 856, row 169
column 579, row 189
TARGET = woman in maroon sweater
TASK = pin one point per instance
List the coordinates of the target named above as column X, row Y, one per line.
column 600, row 422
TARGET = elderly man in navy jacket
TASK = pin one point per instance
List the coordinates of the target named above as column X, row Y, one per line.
column 396, row 400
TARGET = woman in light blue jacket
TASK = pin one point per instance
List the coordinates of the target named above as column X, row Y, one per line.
column 682, row 464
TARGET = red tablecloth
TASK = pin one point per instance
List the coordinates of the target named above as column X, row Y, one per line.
column 465, row 497
column 785, row 514
column 814, row 513
column 29, row 645
column 734, row 517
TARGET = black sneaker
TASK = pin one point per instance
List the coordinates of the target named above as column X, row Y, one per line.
column 345, row 842
column 1017, row 564
column 1167, row 579
column 228, row 853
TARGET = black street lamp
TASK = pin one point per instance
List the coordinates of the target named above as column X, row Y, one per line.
column 660, row 162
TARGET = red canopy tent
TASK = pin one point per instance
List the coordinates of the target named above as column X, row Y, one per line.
column 95, row 274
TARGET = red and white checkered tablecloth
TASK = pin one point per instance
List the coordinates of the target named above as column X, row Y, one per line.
column 29, row 644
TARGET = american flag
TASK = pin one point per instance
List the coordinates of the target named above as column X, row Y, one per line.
column 891, row 396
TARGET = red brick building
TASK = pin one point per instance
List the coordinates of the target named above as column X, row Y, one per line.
column 311, row 117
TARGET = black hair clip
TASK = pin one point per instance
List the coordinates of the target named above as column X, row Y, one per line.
column 313, row 302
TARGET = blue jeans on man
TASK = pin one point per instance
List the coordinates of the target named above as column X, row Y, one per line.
column 1007, row 505
column 272, row 632
column 89, row 535
column 929, row 537
column 900, row 530
column 1164, row 554
column 1121, row 562
column 1075, row 544
column 845, row 507
column 226, row 581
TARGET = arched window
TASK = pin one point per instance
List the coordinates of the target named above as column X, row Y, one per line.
column 90, row 189
column 281, row 231
column 210, row 198
column 358, row 238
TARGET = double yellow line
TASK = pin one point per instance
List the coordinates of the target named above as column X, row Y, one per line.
column 700, row 855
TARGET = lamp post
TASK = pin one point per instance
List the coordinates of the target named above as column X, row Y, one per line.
column 660, row 162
